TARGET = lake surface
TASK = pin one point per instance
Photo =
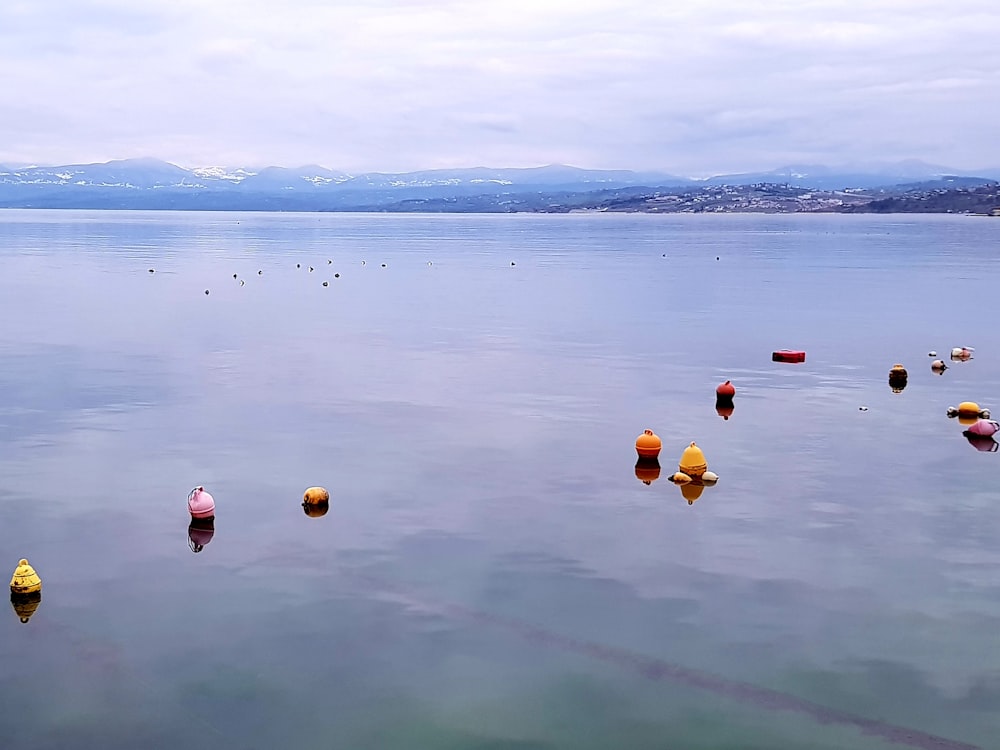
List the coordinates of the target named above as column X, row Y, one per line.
column 492, row 573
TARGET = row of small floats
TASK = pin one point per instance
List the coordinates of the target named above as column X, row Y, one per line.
column 26, row 585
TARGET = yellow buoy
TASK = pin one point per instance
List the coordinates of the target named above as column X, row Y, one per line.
column 25, row 580
column 316, row 496
column 693, row 461
column 968, row 409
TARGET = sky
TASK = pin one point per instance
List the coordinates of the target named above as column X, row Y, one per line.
column 693, row 88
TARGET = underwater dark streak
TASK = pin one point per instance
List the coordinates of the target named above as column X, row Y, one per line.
column 658, row 669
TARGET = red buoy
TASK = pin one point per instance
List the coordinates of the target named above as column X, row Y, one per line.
column 726, row 390
column 788, row 355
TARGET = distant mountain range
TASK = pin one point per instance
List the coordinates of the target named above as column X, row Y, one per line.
column 155, row 184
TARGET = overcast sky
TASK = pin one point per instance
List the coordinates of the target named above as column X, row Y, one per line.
column 693, row 87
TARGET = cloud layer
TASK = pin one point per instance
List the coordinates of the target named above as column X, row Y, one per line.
column 693, row 88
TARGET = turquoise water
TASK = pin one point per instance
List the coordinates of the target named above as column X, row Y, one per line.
column 491, row 573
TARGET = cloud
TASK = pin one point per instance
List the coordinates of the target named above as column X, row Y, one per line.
column 407, row 85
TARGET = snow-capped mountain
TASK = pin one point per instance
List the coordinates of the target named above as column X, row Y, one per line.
column 152, row 183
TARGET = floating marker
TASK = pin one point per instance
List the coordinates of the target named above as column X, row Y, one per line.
column 201, row 504
column 648, row 444
column 25, row 580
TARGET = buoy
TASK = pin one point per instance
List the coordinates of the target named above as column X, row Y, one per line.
column 968, row 412
column 725, row 391
column 983, row 428
column 788, row 355
column 648, row 444
column 647, row 470
column 201, row 504
column 897, row 378
column 200, row 532
column 938, row 366
column 724, row 410
column 693, row 461
column 679, row 478
column 25, row 580
column 316, row 496
column 968, row 409
column 25, row 605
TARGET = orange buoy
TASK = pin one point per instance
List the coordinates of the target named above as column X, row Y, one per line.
column 724, row 409
column 316, row 496
column 725, row 391
column 648, row 444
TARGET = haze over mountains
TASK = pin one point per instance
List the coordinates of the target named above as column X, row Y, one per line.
column 156, row 184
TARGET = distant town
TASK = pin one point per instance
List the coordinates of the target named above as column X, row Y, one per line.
column 775, row 198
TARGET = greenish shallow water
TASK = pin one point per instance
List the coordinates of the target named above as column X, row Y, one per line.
column 491, row 573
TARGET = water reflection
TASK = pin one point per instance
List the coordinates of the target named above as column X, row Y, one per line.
column 692, row 488
column 647, row 470
column 984, row 443
column 315, row 510
column 200, row 532
column 25, row 604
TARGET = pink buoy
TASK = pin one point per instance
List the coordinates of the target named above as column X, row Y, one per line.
column 201, row 504
column 984, row 428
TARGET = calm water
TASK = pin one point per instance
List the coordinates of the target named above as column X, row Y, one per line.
column 491, row 572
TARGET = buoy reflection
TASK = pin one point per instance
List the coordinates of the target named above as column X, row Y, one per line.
column 200, row 532
column 647, row 470
column 25, row 604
